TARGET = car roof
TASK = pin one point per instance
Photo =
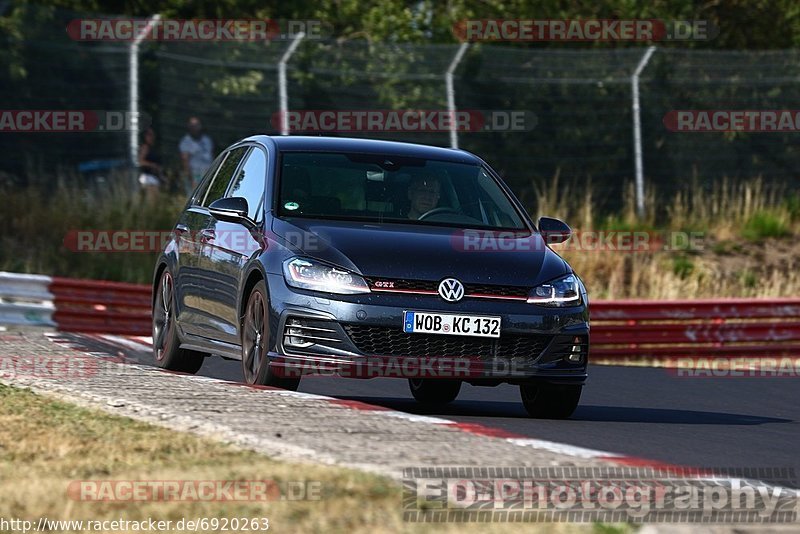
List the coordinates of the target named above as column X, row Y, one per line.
column 291, row 143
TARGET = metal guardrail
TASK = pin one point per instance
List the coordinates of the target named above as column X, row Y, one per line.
column 622, row 329
column 74, row 305
column 98, row 306
column 718, row 328
column 25, row 299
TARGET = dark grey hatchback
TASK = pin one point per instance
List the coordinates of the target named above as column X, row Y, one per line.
column 361, row 258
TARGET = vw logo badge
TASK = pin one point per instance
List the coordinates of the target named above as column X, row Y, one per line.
column 451, row 290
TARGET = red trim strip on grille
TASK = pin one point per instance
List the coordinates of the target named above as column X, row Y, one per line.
column 485, row 296
column 413, row 291
column 425, row 292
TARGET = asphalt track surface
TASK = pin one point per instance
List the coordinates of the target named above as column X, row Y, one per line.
column 743, row 422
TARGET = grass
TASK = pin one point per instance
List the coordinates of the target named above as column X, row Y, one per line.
column 37, row 222
column 744, row 243
column 45, row 445
column 682, row 266
column 765, row 224
column 745, row 246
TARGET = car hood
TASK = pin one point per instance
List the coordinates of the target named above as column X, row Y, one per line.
column 421, row 252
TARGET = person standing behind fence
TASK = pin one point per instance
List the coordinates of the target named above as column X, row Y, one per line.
column 150, row 170
column 197, row 153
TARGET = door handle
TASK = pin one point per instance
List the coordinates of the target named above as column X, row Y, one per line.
column 207, row 235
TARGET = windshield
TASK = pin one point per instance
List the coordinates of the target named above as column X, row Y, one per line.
column 374, row 188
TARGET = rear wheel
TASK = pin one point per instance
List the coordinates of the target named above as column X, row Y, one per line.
column 547, row 401
column 166, row 345
column 430, row 391
column 255, row 343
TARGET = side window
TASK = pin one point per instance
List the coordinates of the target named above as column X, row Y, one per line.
column 200, row 191
column 223, row 178
column 249, row 183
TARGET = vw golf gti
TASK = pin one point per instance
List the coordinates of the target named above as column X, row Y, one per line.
column 364, row 258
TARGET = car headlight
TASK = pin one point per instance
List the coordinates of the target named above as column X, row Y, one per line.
column 310, row 274
column 561, row 293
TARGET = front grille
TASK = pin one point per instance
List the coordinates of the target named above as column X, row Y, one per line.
column 497, row 291
column 423, row 286
column 385, row 341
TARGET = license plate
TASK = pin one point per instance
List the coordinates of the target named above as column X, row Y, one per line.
column 454, row 325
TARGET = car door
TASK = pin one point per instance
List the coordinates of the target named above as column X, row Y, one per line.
column 205, row 288
column 189, row 279
column 234, row 244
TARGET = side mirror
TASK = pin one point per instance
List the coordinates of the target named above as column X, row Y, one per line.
column 553, row 230
column 231, row 209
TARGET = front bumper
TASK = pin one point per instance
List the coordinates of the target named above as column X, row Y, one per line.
column 361, row 336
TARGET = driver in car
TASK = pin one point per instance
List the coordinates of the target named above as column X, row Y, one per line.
column 423, row 192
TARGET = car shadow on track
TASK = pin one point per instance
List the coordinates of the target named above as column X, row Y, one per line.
column 225, row 370
column 625, row 414
column 599, row 414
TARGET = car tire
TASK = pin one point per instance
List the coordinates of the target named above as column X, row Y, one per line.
column 255, row 341
column 166, row 344
column 546, row 401
column 430, row 391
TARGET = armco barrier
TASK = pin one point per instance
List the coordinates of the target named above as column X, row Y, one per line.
column 108, row 307
column 714, row 328
column 622, row 329
column 25, row 299
column 74, row 305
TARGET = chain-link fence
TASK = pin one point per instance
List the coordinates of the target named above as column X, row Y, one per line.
column 42, row 69
column 582, row 100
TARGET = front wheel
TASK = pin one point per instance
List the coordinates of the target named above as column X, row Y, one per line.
column 255, row 343
column 546, row 401
column 430, row 391
column 166, row 345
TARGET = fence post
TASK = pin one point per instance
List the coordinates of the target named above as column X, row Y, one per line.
column 283, row 95
column 451, row 93
column 637, row 131
column 133, row 98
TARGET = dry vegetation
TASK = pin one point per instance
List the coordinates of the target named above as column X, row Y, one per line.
column 746, row 244
column 37, row 221
column 744, row 235
column 46, row 444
